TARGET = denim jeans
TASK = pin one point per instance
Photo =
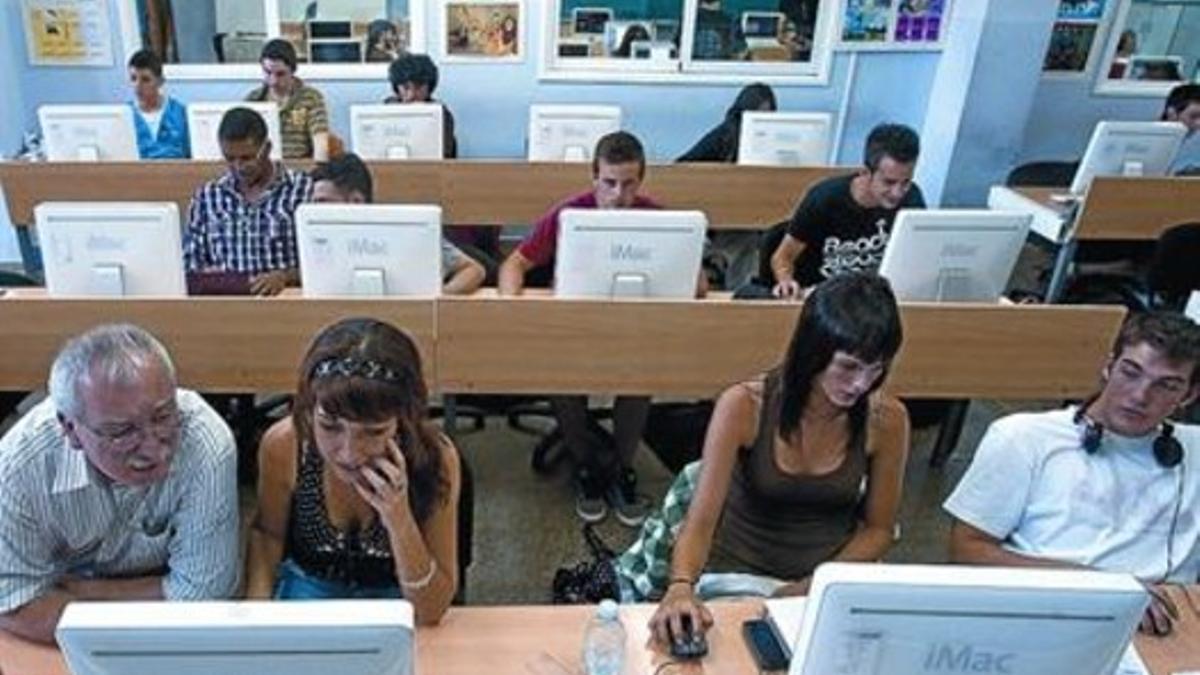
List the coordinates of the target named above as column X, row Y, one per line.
column 293, row 583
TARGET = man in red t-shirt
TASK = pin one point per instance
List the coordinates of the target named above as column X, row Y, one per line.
column 605, row 476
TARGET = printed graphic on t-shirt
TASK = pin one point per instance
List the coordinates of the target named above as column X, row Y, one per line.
column 863, row 254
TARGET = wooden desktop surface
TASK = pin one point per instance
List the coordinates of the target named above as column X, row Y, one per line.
column 1128, row 208
column 470, row 192
column 539, row 344
column 541, row 640
column 1137, row 208
column 217, row 343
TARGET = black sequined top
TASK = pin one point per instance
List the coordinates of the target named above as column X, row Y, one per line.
column 357, row 558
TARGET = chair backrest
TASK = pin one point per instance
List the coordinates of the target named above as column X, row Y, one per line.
column 15, row 279
column 1173, row 272
column 1042, row 174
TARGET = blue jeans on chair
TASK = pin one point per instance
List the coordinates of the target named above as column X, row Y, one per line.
column 293, row 583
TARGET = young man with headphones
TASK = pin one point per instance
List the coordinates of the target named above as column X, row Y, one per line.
column 1109, row 484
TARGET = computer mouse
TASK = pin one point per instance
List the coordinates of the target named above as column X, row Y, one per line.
column 691, row 644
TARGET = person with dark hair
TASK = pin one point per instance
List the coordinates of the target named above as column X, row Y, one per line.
column 347, row 179
column 160, row 121
column 243, row 223
column 738, row 250
column 303, row 120
column 358, row 490
column 605, row 475
column 636, row 32
column 720, row 144
column 800, row 466
column 414, row 78
column 1110, row 484
column 1183, row 106
column 383, row 41
column 842, row 224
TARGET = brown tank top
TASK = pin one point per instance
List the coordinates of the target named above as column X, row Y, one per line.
column 779, row 524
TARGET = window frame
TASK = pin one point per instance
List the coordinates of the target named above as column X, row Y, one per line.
column 131, row 41
column 686, row 70
column 1125, row 88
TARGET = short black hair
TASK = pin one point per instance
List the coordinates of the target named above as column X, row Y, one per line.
column 147, row 59
column 619, row 147
column 1175, row 336
column 897, row 141
column 415, row 68
column 239, row 124
column 1180, row 98
column 279, row 50
column 349, row 173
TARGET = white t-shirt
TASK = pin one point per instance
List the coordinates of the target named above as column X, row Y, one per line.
column 153, row 119
column 1033, row 486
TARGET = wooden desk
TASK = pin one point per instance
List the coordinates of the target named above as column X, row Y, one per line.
column 218, row 344
column 547, row 641
column 470, row 192
column 1114, row 208
column 536, row 344
column 1137, row 208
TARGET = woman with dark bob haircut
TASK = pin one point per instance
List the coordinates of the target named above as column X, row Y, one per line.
column 357, row 490
column 801, row 466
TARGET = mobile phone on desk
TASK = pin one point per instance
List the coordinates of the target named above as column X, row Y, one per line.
column 764, row 643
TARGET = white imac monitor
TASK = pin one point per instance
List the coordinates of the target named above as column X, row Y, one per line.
column 369, row 249
column 953, row 255
column 204, row 119
column 623, row 253
column 397, row 131
column 762, row 29
column 1128, row 149
column 111, row 249
column 590, row 20
column 88, row 133
column 314, row 637
column 866, row 618
column 568, row 133
column 784, row 139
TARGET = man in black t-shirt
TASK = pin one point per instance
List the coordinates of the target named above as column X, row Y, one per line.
column 842, row 224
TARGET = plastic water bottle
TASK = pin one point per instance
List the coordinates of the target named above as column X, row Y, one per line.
column 604, row 641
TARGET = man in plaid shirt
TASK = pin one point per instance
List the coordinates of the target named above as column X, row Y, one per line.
column 244, row 221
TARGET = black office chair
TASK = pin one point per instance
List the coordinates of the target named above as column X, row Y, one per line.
column 1042, row 174
column 1173, row 273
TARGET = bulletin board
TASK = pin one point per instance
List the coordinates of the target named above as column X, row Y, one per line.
column 67, row 32
column 893, row 25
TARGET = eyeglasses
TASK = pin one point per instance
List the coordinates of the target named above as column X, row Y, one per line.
column 128, row 436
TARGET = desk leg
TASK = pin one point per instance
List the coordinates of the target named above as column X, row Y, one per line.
column 949, row 433
column 1062, row 263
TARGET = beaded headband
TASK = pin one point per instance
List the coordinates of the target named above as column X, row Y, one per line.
column 350, row 367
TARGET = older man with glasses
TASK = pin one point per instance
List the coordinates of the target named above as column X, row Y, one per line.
column 119, row 486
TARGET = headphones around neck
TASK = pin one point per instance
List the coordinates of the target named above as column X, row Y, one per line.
column 1168, row 451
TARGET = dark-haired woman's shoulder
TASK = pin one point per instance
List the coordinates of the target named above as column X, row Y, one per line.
column 740, row 406
column 888, row 421
column 277, row 447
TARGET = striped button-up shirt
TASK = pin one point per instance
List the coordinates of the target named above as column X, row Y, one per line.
column 59, row 516
column 227, row 233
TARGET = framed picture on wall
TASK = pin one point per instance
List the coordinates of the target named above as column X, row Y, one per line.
column 67, row 32
column 901, row 25
column 1073, row 38
column 482, row 31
